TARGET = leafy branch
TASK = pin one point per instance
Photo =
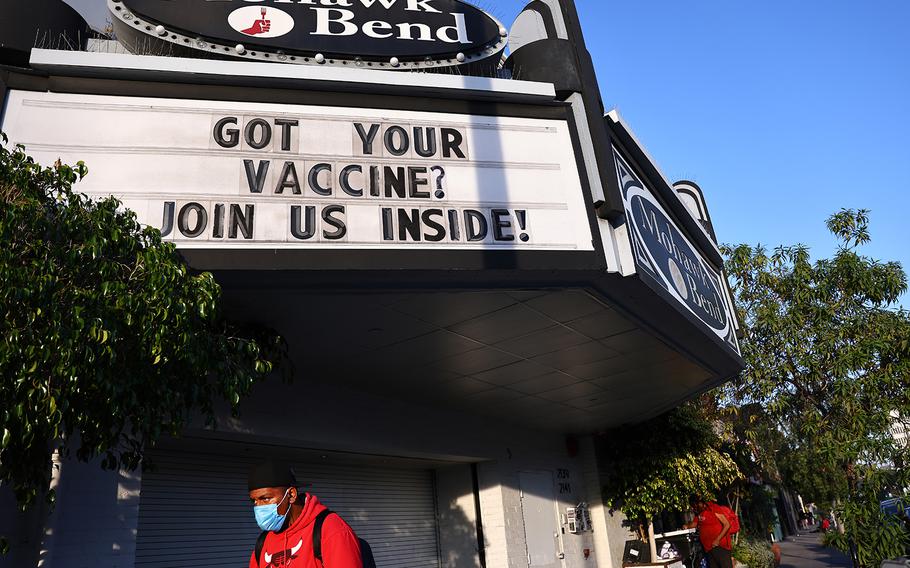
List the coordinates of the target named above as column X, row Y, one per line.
column 109, row 340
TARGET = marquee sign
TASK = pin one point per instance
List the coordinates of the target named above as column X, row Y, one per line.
column 664, row 254
column 376, row 33
column 231, row 175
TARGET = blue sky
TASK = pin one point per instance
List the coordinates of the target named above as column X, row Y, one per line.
column 783, row 112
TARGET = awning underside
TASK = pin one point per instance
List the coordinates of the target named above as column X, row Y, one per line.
column 550, row 360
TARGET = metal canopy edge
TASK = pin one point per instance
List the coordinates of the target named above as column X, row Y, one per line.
column 144, row 67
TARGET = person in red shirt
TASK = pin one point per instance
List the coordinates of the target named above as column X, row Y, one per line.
column 714, row 533
column 288, row 518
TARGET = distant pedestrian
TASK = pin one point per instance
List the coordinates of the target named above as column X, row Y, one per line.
column 295, row 527
column 714, row 531
column 776, row 551
column 826, row 524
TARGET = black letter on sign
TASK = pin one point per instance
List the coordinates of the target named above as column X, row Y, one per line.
column 502, row 219
column 404, row 142
column 308, row 230
column 183, row 220
column 451, row 142
column 454, row 226
column 288, row 179
column 256, row 177
column 428, row 150
column 367, row 139
column 338, row 223
column 388, row 231
column 375, row 181
column 285, row 125
column 167, row 224
column 233, row 134
column 395, row 181
column 440, row 234
column 409, row 225
column 314, row 179
column 250, row 134
column 242, row 220
column 415, row 181
column 344, row 180
column 218, row 221
column 475, row 232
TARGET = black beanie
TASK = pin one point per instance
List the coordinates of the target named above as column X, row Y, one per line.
column 271, row 473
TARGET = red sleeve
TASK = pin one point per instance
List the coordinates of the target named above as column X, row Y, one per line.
column 340, row 547
column 253, row 563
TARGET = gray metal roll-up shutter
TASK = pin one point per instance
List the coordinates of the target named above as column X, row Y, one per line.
column 194, row 510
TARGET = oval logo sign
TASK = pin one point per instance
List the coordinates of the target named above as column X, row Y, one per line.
column 428, row 32
column 663, row 252
column 679, row 266
column 261, row 22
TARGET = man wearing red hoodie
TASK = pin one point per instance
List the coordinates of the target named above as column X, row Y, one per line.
column 714, row 532
column 288, row 520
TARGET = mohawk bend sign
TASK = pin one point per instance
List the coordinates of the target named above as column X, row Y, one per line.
column 666, row 256
column 384, row 33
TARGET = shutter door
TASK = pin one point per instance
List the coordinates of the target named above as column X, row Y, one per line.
column 194, row 510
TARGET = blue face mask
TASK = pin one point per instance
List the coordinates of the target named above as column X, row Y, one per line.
column 267, row 516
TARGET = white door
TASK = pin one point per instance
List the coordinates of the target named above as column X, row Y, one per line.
column 538, row 510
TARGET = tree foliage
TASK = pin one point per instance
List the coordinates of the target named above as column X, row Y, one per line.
column 828, row 359
column 108, row 341
column 745, row 437
column 815, row 477
column 757, row 512
column 662, row 464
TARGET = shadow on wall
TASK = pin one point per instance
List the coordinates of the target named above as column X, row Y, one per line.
column 492, row 180
column 462, row 533
column 93, row 523
column 456, row 533
column 459, row 536
column 22, row 531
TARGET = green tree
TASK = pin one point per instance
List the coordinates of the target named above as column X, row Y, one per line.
column 752, row 442
column 811, row 473
column 662, row 464
column 108, row 340
column 828, row 358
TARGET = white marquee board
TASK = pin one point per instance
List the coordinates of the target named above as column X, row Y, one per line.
column 233, row 175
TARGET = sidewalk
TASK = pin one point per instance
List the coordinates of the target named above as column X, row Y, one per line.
column 806, row 551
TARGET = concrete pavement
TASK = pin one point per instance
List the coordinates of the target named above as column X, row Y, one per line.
column 806, row 551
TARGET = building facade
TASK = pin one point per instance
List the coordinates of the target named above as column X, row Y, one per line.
column 476, row 269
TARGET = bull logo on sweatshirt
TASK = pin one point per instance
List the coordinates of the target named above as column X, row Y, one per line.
column 284, row 557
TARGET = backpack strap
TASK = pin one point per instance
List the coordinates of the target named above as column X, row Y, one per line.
column 260, row 543
column 317, row 534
